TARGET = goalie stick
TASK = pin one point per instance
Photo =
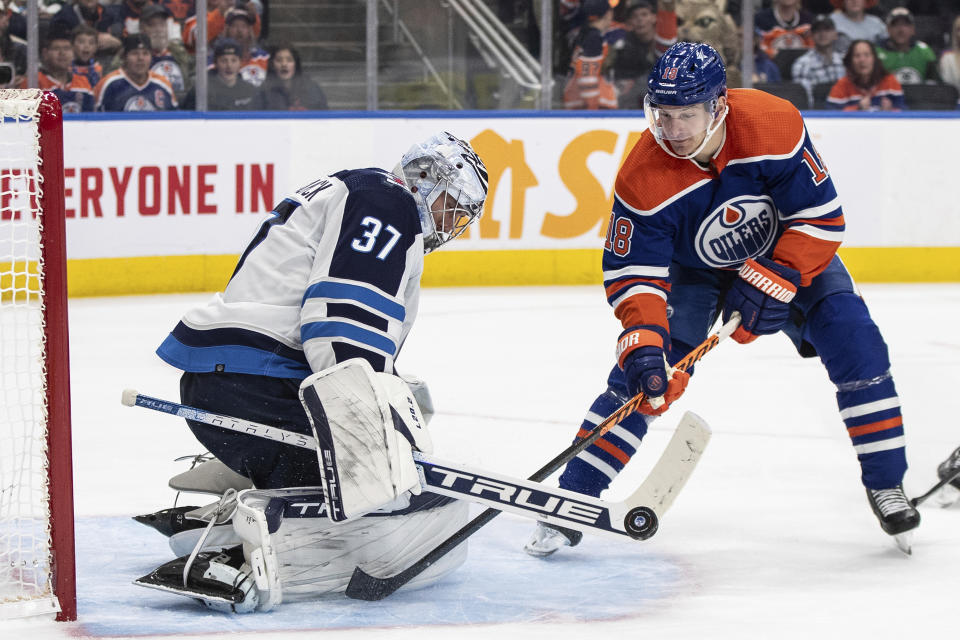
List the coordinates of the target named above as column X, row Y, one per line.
column 363, row 586
column 940, row 485
column 636, row 517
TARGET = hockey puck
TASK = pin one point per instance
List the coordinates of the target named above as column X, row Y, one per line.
column 641, row 523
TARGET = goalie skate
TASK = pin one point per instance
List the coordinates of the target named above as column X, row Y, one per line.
column 548, row 538
column 219, row 580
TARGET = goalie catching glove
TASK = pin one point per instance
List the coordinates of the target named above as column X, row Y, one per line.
column 762, row 294
column 641, row 356
column 366, row 425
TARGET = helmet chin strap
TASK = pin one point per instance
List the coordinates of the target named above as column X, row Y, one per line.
column 712, row 129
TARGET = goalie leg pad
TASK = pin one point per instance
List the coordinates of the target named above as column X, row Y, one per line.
column 306, row 555
column 366, row 426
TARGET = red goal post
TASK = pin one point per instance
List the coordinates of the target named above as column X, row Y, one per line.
column 37, row 558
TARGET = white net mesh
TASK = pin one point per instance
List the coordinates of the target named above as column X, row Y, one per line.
column 25, row 577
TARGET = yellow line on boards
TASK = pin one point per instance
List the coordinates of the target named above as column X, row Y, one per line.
column 529, row 267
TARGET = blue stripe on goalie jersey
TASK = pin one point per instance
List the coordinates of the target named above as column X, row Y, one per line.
column 343, row 351
column 281, row 213
column 247, row 351
column 351, row 292
column 333, row 329
column 381, row 266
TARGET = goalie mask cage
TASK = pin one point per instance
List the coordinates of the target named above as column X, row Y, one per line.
column 37, row 574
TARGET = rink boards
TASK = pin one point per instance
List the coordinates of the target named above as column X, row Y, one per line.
column 173, row 208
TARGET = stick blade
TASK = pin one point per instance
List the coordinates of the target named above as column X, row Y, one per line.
column 676, row 463
column 363, row 586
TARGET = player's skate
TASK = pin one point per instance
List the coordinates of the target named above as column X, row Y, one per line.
column 896, row 514
column 547, row 538
column 949, row 494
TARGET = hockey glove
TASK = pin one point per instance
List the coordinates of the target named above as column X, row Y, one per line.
column 762, row 295
column 640, row 354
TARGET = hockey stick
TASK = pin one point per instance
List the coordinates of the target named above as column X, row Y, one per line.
column 363, row 586
column 635, row 517
column 940, row 485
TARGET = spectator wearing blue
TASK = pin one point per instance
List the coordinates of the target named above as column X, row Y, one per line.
column 105, row 18
column 133, row 87
column 821, row 64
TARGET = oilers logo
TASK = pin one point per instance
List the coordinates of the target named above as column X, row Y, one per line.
column 139, row 103
column 740, row 228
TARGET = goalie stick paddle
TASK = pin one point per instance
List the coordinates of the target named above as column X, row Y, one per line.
column 363, row 586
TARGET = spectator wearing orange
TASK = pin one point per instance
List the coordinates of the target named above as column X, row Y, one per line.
column 240, row 26
column 587, row 87
column 783, row 26
column 216, row 22
column 55, row 75
column 84, row 41
column 867, row 86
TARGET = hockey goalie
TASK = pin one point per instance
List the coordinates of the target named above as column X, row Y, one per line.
column 253, row 549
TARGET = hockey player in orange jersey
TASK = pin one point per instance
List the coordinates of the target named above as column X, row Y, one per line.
column 725, row 206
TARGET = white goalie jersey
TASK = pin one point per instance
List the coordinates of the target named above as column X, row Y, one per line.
column 334, row 274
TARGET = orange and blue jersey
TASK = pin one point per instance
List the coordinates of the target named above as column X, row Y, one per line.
column 75, row 94
column 117, row 92
column 776, row 35
column 587, row 88
column 766, row 192
column 846, row 95
column 253, row 66
column 93, row 70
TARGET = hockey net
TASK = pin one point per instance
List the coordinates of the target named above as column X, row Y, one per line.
column 36, row 486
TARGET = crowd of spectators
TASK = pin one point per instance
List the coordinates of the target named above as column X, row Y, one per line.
column 826, row 54
column 139, row 55
column 129, row 55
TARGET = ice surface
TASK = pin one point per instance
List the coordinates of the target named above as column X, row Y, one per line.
column 771, row 538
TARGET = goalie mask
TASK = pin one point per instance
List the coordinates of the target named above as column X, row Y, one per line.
column 683, row 105
column 449, row 183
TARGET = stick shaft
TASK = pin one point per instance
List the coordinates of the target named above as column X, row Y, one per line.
column 363, row 586
column 944, row 482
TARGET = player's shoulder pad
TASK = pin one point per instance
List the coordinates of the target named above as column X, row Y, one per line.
column 761, row 126
column 650, row 179
column 377, row 189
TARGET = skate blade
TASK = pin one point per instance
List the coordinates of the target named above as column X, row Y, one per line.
column 947, row 496
column 904, row 542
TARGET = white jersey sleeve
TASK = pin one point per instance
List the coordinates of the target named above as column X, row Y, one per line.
column 333, row 275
